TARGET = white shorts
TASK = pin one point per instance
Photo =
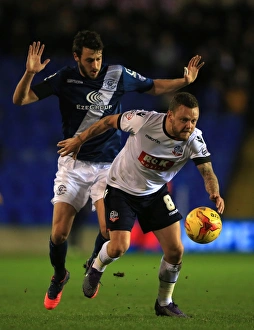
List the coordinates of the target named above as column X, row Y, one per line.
column 76, row 180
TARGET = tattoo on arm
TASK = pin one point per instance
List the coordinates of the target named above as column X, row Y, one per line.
column 210, row 179
column 99, row 127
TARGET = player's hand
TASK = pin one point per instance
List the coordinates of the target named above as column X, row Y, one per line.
column 191, row 71
column 33, row 63
column 219, row 202
column 68, row 146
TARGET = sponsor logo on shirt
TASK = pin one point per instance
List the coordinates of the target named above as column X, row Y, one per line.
column 95, row 98
column 199, row 139
column 141, row 114
column 152, row 139
column 93, row 107
column 154, row 163
column 74, row 81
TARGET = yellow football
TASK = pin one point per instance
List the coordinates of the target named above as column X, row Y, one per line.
column 203, row 225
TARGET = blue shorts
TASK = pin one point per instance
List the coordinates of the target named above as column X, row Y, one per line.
column 153, row 211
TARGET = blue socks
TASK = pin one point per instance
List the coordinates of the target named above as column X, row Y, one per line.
column 100, row 240
column 57, row 254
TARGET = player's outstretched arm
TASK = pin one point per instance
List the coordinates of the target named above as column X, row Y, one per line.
column 73, row 145
column 163, row 86
column 23, row 94
column 212, row 185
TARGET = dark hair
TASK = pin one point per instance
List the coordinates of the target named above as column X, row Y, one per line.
column 87, row 39
column 185, row 99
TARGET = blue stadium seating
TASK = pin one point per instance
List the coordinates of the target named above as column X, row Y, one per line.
column 28, row 158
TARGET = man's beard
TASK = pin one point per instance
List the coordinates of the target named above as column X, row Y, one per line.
column 83, row 70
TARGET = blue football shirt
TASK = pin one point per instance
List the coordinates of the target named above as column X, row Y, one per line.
column 83, row 101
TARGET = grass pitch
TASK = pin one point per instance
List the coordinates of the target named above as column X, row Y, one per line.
column 216, row 291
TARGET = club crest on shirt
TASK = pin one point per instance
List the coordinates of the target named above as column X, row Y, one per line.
column 109, row 84
column 154, row 163
column 178, row 151
column 130, row 114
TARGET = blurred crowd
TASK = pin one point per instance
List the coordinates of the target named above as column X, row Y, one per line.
column 156, row 37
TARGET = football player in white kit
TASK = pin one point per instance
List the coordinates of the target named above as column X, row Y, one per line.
column 159, row 145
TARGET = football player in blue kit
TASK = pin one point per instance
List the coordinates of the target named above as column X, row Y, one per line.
column 87, row 92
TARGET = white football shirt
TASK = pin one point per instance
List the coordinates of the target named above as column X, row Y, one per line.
column 150, row 157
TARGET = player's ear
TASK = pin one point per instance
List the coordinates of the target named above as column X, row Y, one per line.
column 76, row 58
column 169, row 115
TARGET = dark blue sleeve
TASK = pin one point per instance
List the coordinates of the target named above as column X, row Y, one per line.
column 135, row 82
column 51, row 84
column 42, row 90
column 55, row 80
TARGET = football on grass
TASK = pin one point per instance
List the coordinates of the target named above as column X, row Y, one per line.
column 203, row 225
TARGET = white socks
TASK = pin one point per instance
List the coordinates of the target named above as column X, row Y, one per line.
column 103, row 259
column 168, row 275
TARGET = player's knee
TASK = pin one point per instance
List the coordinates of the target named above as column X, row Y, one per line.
column 174, row 254
column 117, row 250
column 59, row 237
